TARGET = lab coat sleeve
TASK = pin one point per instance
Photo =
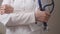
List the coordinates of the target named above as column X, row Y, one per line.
column 21, row 18
column 36, row 5
column 6, row 2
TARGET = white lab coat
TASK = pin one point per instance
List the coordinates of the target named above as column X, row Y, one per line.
column 22, row 20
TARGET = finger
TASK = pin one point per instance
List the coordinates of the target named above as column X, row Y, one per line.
column 47, row 13
column 3, row 7
column 46, row 19
column 2, row 11
column 43, row 19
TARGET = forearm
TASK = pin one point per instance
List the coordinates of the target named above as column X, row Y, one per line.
column 21, row 18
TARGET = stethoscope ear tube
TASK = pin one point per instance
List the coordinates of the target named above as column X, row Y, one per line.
column 43, row 9
column 51, row 4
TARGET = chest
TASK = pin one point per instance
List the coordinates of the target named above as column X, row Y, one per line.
column 23, row 3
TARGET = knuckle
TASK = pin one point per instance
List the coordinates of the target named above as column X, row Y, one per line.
column 43, row 19
column 45, row 15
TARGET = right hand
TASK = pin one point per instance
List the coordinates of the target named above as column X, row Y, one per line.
column 42, row 16
column 6, row 9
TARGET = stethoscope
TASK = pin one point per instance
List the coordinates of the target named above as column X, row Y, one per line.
column 44, row 8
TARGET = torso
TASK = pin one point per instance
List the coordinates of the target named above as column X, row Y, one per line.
column 24, row 6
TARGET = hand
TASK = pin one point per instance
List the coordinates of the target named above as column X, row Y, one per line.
column 2, row 9
column 6, row 9
column 42, row 16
